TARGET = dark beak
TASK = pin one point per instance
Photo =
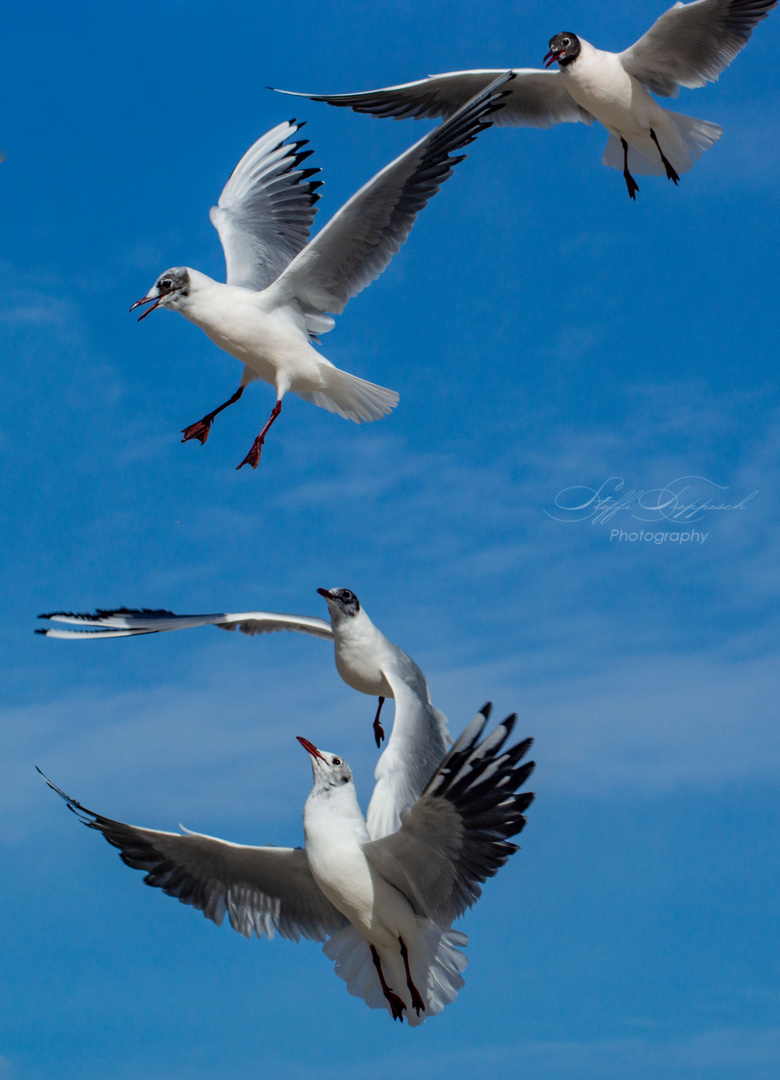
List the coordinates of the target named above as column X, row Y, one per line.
column 551, row 57
column 328, row 595
column 153, row 300
column 310, row 747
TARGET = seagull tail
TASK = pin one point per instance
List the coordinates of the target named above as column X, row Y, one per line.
column 683, row 141
column 350, row 397
column 436, row 964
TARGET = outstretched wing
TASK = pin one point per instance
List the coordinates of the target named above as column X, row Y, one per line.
column 129, row 622
column 417, row 744
column 261, row 889
column 691, row 44
column 357, row 244
column 265, row 212
column 536, row 98
column 456, row 834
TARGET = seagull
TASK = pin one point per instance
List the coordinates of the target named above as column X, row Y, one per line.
column 385, row 906
column 366, row 660
column 280, row 288
column 689, row 45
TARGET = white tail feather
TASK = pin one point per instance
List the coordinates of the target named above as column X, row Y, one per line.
column 350, row 397
column 435, row 961
column 683, row 142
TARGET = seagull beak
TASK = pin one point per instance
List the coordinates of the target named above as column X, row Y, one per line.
column 146, row 300
column 551, row 57
column 310, row 747
column 326, row 593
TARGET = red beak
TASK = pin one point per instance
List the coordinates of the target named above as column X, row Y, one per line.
column 146, row 300
column 328, row 595
column 550, row 58
column 310, row 747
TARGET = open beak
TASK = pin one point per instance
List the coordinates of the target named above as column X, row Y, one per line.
column 310, row 747
column 551, row 57
column 326, row 593
column 153, row 300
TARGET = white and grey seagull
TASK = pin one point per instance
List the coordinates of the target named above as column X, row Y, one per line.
column 365, row 659
column 689, row 45
column 386, row 907
column 282, row 291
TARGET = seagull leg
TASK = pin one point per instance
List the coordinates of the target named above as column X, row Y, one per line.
column 253, row 457
column 670, row 171
column 379, row 731
column 417, row 1002
column 202, row 428
column 396, row 1004
column 631, row 183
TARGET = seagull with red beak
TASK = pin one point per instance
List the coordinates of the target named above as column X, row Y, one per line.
column 365, row 659
column 690, row 45
column 281, row 290
column 386, row 906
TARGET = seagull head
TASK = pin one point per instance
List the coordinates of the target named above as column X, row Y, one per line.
column 342, row 603
column 170, row 290
column 330, row 771
column 564, row 47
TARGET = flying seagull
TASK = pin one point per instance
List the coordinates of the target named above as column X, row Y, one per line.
column 689, row 45
column 282, row 290
column 365, row 659
column 386, row 907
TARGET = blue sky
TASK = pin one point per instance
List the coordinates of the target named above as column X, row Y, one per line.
column 545, row 335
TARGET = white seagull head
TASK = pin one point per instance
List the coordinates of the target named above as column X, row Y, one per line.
column 342, row 603
column 171, row 290
column 330, row 771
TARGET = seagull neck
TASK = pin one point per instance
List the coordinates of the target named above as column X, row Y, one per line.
column 332, row 814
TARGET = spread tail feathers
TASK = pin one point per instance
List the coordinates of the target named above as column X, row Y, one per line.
column 435, row 961
column 683, row 142
column 350, row 397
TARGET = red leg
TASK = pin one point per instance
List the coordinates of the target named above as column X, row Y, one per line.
column 379, row 731
column 202, row 428
column 417, row 1002
column 396, row 1004
column 253, row 457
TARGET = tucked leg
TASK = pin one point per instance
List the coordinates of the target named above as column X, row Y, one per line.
column 396, row 1005
column 253, row 457
column 202, row 428
column 670, row 171
column 379, row 731
column 417, row 1002
column 631, row 183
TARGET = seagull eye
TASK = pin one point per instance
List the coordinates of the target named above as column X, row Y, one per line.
column 346, row 595
column 566, row 41
column 166, row 284
column 336, row 761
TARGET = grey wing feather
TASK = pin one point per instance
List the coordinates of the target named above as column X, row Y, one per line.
column 457, row 833
column 265, row 212
column 417, row 744
column 691, row 44
column 261, row 889
column 536, row 98
column 131, row 622
column 357, row 244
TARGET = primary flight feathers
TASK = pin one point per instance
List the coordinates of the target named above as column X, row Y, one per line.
column 387, row 905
